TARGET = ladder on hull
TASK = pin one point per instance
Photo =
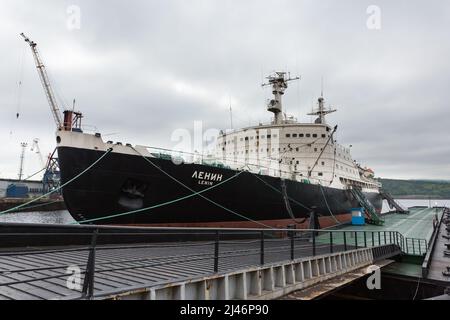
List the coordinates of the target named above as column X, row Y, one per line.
column 392, row 203
column 371, row 213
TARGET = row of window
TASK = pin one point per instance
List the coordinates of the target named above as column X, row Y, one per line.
column 303, row 135
column 269, row 136
column 273, row 150
column 298, row 162
column 346, row 169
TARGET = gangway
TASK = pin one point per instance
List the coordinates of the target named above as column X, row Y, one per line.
column 392, row 203
column 373, row 217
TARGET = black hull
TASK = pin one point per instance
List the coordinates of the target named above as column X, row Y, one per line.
column 121, row 183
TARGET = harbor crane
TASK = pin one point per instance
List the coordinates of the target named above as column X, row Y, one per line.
column 45, row 82
column 22, row 159
column 35, row 148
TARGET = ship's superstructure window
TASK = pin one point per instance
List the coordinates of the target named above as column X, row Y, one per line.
column 302, row 135
column 294, row 135
column 314, row 135
column 288, row 135
column 308, row 135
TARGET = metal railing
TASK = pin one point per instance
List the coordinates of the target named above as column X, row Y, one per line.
column 431, row 247
column 104, row 251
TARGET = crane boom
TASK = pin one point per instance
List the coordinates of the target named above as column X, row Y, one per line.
column 45, row 82
column 22, row 159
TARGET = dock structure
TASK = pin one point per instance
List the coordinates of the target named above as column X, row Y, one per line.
column 222, row 264
column 98, row 262
column 436, row 265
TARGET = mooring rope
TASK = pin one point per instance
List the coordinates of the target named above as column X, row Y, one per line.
column 272, row 187
column 287, row 203
column 190, row 189
column 158, row 205
column 60, row 187
column 326, row 202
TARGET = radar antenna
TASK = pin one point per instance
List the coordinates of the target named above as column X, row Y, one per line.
column 321, row 112
column 279, row 82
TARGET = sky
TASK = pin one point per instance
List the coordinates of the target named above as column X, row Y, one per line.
column 141, row 70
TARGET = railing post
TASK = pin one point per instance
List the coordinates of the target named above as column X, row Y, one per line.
column 216, row 252
column 262, row 248
column 356, row 240
column 365, row 240
column 89, row 276
column 385, row 237
column 293, row 245
column 407, row 249
column 373, row 239
column 314, row 243
column 331, row 241
column 414, row 248
column 379, row 238
column 345, row 241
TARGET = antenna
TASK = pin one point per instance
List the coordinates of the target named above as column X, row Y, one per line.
column 231, row 114
column 321, row 92
column 321, row 112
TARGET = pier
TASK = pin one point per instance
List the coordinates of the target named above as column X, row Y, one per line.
column 98, row 262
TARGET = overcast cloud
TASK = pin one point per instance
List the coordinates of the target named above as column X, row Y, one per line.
column 141, row 69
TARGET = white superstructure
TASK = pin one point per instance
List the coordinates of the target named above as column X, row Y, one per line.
column 305, row 152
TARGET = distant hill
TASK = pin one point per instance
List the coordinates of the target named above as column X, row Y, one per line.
column 417, row 188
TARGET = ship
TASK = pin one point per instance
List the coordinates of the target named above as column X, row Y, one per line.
column 281, row 174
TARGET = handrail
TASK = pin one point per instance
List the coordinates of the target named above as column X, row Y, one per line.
column 430, row 250
column 216, row 244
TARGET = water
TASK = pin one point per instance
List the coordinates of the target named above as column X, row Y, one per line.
column 407, row 203
column 49, row 217
column 63, row 217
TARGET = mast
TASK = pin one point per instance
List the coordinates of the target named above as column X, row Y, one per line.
column 321, row 112
column 279, row 82
column 45, row 82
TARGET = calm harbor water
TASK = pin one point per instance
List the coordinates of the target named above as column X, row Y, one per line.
column 63, row 217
